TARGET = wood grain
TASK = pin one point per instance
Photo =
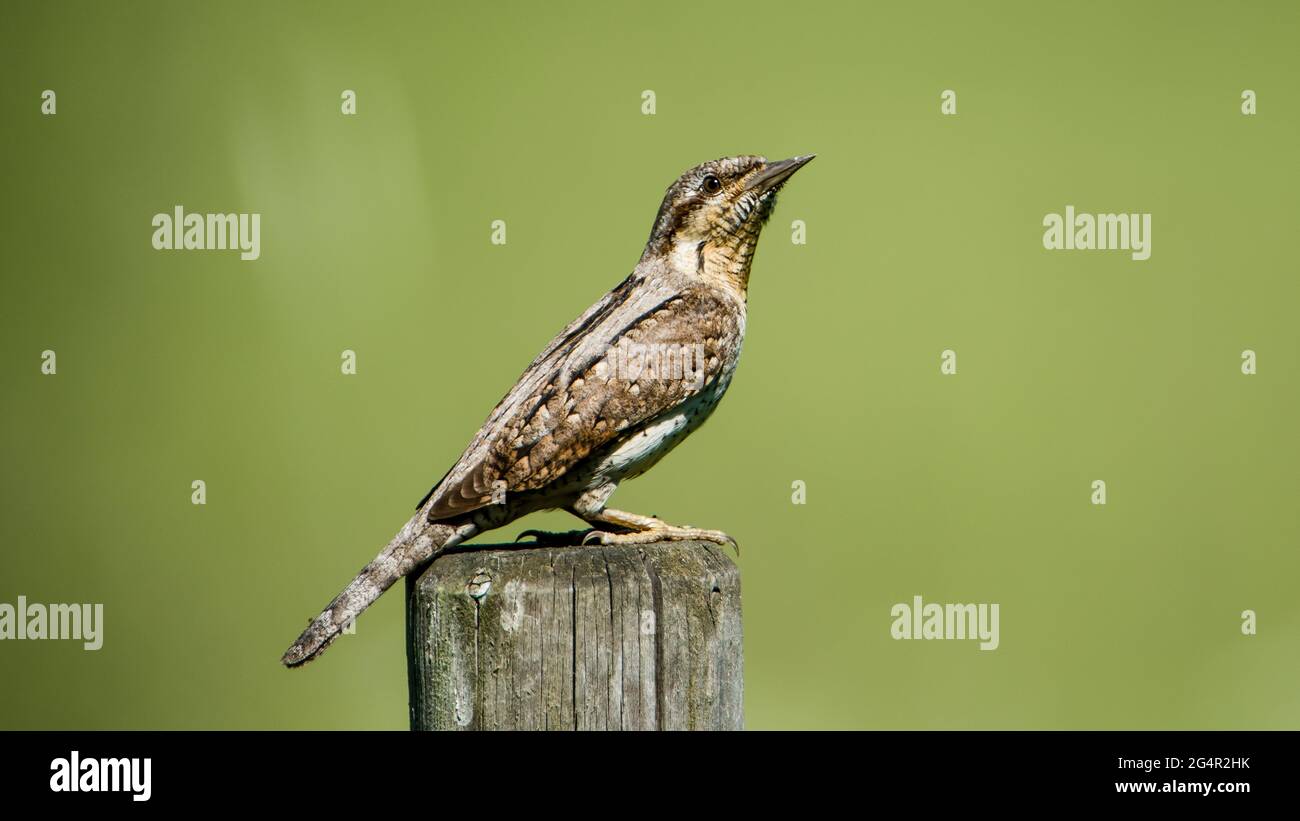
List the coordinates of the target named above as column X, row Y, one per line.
column 637, row 637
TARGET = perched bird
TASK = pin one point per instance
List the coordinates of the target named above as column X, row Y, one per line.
column 621, row 386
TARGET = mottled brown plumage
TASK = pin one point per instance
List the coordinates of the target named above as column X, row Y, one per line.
column 610, row 395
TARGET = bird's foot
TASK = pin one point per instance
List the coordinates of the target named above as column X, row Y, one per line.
column 661, row 532
column 546, row 538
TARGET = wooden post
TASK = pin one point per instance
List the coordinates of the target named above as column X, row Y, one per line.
column 576, row 638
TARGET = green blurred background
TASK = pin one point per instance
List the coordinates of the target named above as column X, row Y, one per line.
column 923, row 233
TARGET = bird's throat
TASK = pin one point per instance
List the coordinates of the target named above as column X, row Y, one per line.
column 727, row 264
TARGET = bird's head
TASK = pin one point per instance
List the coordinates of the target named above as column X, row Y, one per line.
column 711, row 216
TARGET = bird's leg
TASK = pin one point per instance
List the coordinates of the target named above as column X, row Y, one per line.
column 591, row 500
column 645, row 529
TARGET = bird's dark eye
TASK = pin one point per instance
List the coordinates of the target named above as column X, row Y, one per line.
column 711, row 185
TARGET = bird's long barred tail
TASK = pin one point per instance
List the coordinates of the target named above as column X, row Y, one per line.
column 417, row 542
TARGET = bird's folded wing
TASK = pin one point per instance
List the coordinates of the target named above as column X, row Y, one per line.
column 591, row 386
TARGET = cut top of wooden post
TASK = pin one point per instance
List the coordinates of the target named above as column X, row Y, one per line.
column 577, row 638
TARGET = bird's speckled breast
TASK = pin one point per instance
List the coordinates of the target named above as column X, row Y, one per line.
column 641, row 449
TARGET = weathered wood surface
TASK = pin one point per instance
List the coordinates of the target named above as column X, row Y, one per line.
column 577, row 638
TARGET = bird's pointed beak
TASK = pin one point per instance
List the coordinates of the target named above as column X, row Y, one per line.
column 774, row 174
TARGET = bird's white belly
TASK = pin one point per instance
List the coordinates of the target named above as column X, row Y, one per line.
column 646, row 447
